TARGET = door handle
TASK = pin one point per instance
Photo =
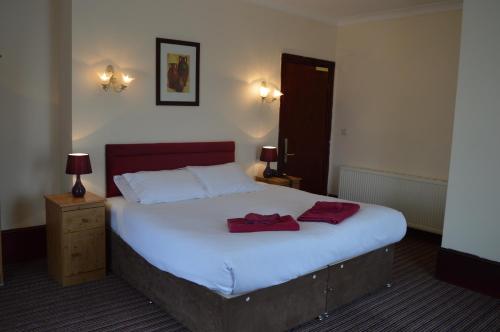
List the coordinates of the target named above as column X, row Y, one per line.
column 286, row 154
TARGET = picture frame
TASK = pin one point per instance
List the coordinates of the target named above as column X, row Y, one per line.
column 177, row 72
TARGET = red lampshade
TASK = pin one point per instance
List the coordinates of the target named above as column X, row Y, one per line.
column 78, row 163
column 269, row 153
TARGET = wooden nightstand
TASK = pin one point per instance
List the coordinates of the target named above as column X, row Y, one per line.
column 287, row 181
column 75, row 238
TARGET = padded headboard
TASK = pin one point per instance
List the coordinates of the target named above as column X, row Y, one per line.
column 128, row 158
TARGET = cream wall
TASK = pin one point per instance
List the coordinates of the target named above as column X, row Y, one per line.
column 472, row 222
column 30, row 117
column 241, row 44
column 395, row 94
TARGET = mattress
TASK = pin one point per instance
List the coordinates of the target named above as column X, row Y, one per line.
column 190, row 239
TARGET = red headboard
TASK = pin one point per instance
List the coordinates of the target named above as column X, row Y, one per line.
column 128, row 158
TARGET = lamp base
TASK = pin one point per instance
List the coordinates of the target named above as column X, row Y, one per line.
column 269, row 172
column 78, row 189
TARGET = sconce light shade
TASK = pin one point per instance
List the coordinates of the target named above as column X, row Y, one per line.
column 264, row 93
column 264, row 90
column 127, row 79
column 104, row 77
column 277, row 93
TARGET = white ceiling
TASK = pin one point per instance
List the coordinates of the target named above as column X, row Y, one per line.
column 336, row 11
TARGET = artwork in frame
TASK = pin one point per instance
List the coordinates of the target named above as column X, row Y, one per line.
column 177, row 72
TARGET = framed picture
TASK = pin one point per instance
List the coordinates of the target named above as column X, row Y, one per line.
column 177, row 72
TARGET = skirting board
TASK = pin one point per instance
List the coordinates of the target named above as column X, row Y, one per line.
column 24, row 244
column 469, row 271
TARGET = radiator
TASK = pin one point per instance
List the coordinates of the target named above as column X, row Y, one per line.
column 421, row 200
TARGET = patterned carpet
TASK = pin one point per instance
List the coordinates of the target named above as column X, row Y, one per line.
column 30, row 301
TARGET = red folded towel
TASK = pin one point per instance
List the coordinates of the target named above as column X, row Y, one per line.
column 331, row 212
column 255, row 218
column 241, row 225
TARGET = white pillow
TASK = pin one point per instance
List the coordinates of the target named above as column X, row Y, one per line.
column 125, row 189
column 224, row 179
column 165, row 186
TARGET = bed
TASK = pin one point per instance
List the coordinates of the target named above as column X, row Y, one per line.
column 182, row 257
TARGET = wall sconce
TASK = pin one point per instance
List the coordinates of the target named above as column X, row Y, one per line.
column 265, row 95
column 109, row 80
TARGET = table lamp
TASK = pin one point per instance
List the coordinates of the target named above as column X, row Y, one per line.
column 77, row 164
column 269, row 154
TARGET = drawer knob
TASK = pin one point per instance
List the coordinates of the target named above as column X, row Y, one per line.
column 85, row 220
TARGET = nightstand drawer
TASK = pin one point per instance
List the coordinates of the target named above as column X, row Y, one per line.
column 78, row 220
column 84, row 251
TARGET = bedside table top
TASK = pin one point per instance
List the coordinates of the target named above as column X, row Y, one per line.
column 67, row 199
column 273, row 179
column 293, row 178
column 279, row 178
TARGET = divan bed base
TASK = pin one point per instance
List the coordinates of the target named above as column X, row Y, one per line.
column 275, row 308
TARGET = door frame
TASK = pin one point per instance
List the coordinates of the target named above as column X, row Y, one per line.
column 291, row 58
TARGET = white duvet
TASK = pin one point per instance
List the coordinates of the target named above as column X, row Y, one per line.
column 190, row 239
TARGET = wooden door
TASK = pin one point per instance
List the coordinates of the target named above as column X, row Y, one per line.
column 305, row 120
